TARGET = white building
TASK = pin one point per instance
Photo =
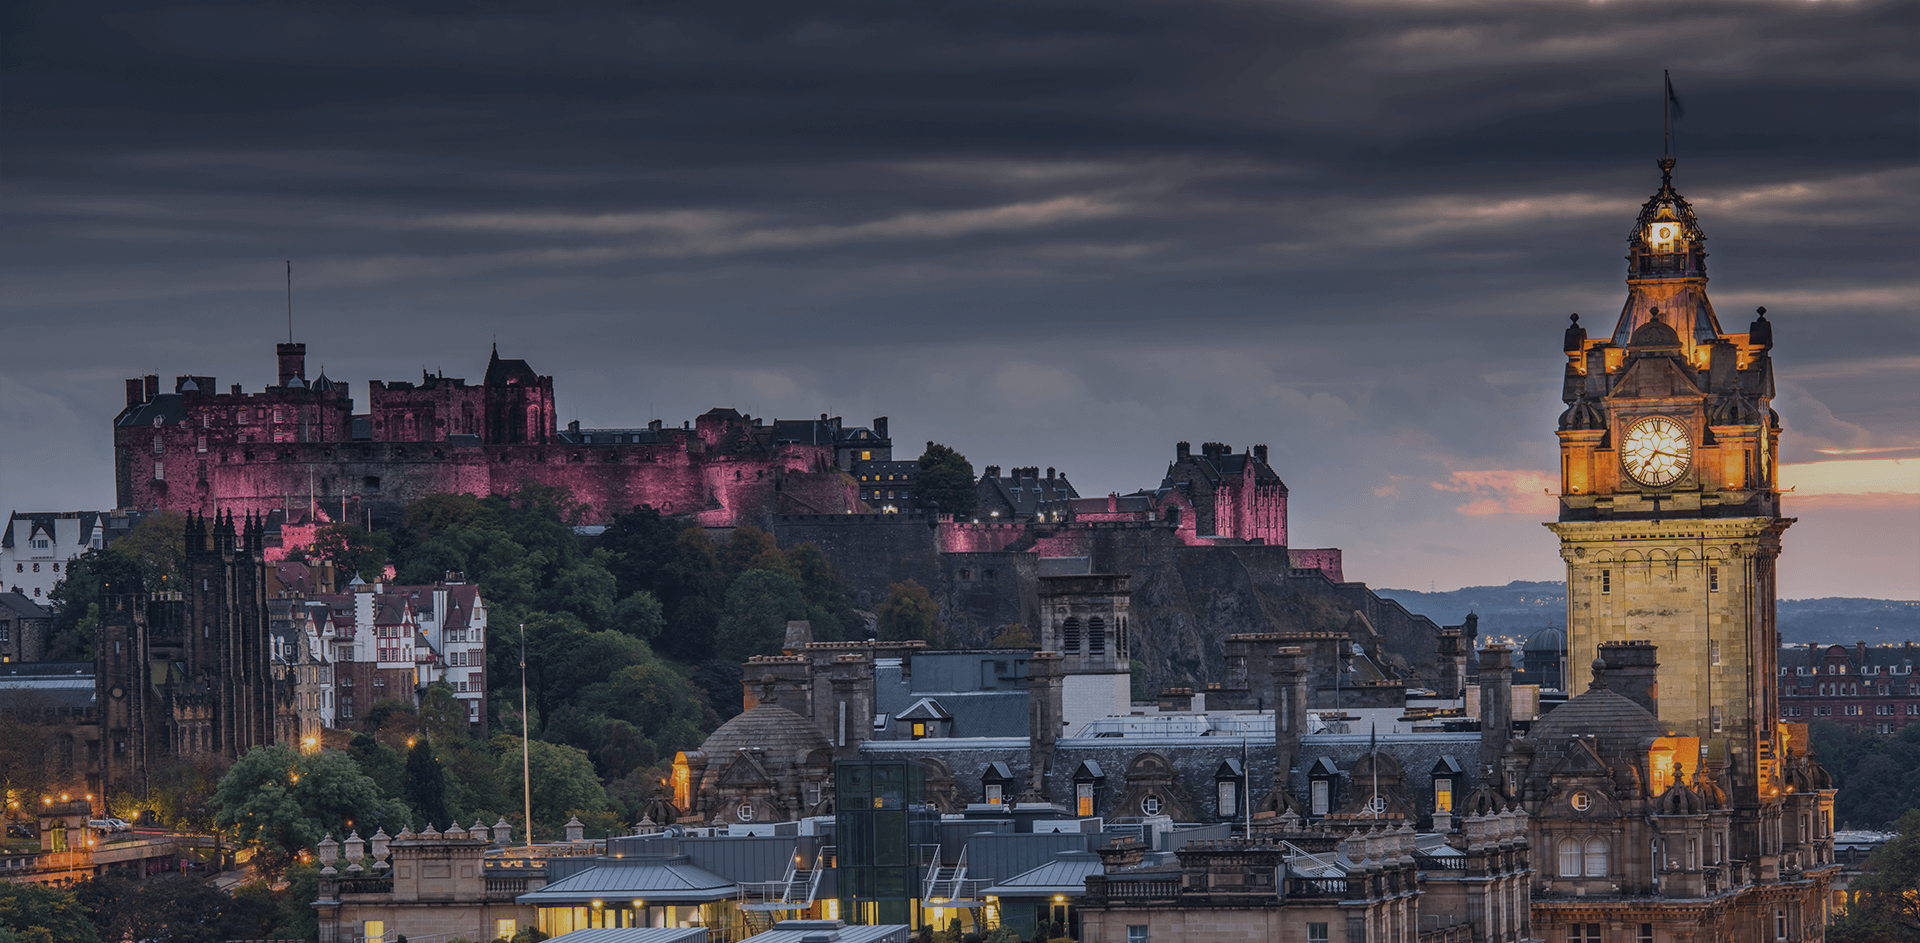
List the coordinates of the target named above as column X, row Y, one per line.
column 38, row 547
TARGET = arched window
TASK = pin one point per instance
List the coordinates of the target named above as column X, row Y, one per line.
column 1596, row 865
column 1569, row 858
column 1096, row 635
column 1070, row 635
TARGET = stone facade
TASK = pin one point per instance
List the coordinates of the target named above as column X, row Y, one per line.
column 26, row 629
column 1866, row 687
column 188, row 671
column 1669, row 790
column 299, row 444
column 432, row 885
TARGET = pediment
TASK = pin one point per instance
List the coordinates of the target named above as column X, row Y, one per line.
column 1654, row 378
column 745, row 770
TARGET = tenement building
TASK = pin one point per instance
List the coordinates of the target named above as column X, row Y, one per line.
column 1865, row 687
column 1668, row 799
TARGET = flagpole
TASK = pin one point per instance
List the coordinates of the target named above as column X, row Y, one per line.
column 526, row 756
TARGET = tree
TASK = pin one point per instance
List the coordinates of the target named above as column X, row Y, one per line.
column 426, row 783
column 170, row 908
column 26, row 751
column 640, row 616
column 39, row 914
column 351, row 549
column 760, row 603
column 1015, row 636
column 564, row 782
column 280, row 802
column 909, row 613
column 946, row 482
column 1888, row 906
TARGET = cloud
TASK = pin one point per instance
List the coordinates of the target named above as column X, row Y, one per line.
column 1852, row 477
column 1503, row 491
column 1049, row 232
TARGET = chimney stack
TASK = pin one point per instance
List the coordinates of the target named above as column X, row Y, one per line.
column 1289, row 713
column 1496, row 704
column 1632, row 672
column 1045, row 710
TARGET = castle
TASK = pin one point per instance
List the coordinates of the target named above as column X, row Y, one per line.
column 298, row 444
column 298, row 454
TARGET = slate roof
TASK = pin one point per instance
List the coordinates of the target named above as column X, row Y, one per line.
column 635, row 935
column 43, row 521
column 23, row 607
column 796, row 931
column 1065, row 874
column 661, row 880
column 502, row 372
column 169, row 408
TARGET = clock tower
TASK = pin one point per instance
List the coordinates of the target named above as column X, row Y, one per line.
column 1669, row 506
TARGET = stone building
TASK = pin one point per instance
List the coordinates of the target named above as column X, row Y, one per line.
column 430, row 885
column 1865, row 687
column 26, row 629
column 299, row 444
column 188, row 671
column 1671, row 781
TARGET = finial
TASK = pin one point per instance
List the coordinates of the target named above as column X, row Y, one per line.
column 1762, row 311
column 1576, row 317
column 1656, row 313
column 1599, row 674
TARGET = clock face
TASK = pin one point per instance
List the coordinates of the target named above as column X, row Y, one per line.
column 1656, row 451
column 1663, row 233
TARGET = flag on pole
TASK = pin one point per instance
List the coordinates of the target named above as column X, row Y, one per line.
column 1673, row 99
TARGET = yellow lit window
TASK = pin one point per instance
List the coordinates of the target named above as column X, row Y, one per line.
column 866, row 456
column 919, row 729
column 375, row 931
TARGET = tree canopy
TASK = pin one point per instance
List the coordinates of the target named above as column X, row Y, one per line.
column 909, row 613
column 280, row 802
column 40, row 914
column 945, row 481
column 1888, row 906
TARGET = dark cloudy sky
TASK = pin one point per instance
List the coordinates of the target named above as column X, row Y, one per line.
column 1061, row 234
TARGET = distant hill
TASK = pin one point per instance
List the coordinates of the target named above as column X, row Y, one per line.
column 1521, row 608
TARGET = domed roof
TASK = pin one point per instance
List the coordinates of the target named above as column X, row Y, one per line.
column 1549, row 639
column 776, row 730
column 1618, row 724
column 1655, row 334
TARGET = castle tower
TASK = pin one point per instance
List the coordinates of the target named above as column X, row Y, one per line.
column 1669, row 506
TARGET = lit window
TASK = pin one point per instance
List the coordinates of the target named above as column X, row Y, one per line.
column 375, row 931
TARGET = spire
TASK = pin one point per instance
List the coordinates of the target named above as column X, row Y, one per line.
column 1667, row 267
